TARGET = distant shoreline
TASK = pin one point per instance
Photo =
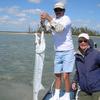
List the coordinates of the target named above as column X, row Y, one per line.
column 7, row 32
column 27, row 33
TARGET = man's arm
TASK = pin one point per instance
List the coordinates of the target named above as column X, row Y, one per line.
column 56, row 26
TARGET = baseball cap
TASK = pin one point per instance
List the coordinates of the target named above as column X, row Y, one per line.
column 84, row 35
column 59, row 5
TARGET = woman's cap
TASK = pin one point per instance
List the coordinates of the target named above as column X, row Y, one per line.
column 84, row 35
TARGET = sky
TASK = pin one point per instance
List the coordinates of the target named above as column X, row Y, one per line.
column 19, row 15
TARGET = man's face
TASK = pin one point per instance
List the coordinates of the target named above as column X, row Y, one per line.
column 83, row 43
column 59, row 12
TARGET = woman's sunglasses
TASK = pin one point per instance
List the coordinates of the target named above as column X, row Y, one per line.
column 84, row 40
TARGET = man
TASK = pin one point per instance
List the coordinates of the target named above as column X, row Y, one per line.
column 87, row 69
column 64, row 50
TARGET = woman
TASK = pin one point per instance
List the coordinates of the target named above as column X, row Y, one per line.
column 87, row 70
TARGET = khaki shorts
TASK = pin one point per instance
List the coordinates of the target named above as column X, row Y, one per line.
column 85, row 96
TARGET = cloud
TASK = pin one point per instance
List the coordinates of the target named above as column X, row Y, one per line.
column 80, row 22
column 17, row 17
column 32, row 11
column 98, row 27
column 64, row 1
column 86, row 23
column 4, row 19
column 17, row 11
column 7, row 20
column 18, row 24
column 98, row 5
column 91, row 12
column 35, row 1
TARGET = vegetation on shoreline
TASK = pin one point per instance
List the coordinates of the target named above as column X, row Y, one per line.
column 75, row 31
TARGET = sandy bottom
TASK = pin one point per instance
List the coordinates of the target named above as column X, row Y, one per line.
column 15, row 91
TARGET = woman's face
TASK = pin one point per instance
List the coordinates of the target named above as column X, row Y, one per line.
column 83, row 43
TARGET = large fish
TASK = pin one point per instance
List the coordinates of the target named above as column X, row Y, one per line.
column 39, row 63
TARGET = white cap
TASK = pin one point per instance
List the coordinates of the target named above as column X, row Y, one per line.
column 59, row 5
column 84, row 35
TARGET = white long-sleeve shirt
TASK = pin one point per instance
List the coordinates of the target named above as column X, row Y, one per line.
column 61, row 31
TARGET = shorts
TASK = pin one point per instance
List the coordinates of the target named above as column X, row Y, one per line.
column 85, row 96
column 64, row 61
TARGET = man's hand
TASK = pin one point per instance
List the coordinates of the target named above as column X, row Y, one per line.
column 45, row 16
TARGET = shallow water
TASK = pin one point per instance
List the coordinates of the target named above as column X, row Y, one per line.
column 17, row 56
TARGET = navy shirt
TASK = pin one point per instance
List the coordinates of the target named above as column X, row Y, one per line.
column 88, row 70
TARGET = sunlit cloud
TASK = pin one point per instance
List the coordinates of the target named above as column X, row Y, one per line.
column 32, row 11
column 6, row 20
column 21, row 15
column 35, row 1
column 17, row 17
column 17, row 11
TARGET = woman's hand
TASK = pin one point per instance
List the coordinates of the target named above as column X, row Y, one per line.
column 74, row 86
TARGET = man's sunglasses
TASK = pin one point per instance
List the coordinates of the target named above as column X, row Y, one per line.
column 80, row 41
column 58, row 10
